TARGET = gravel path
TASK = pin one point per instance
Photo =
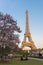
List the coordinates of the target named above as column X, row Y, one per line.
column 36, row 59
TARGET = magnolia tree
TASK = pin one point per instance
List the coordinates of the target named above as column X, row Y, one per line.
column 8, row 26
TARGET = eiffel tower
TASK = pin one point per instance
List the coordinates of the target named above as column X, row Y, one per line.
column 27, row 34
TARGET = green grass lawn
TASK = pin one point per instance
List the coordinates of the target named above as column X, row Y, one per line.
column 28, row 62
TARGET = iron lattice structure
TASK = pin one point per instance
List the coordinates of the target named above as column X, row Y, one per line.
column 27, row 34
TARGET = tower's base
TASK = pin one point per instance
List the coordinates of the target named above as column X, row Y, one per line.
column 29, row 44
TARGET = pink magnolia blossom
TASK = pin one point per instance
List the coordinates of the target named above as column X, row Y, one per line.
column 7, row 27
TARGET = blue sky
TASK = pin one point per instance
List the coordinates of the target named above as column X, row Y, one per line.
column 17, row 9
